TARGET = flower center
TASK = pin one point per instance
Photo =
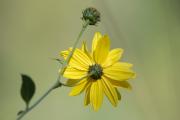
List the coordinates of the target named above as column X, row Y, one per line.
column 96, row 71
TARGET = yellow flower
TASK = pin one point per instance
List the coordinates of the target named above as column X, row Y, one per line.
column 98, row 72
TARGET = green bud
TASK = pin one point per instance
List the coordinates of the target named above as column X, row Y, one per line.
column 91, row 15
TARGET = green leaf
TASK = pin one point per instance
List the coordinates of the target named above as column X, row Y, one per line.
column 61, row 61
column 27, row 88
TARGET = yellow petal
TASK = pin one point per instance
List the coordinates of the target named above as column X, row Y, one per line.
column 79, row 88
column 123, row 84
column 84, row 47
column 118, row 94
column 97, row 37
column 102, row 49
column 113, row 57
column 119, row 71
column 110, row 91
column 87, row 95
column 96, row 94
column 92, row 92
column 82, row 58
column 125, row 65
column 65, row 53
column 85, row 50
column 72, row 82
column 73, row 73
column 79, row 59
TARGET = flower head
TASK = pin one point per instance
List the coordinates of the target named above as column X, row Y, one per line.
column 97, row 72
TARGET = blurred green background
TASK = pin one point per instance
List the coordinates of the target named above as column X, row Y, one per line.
column 34, row 31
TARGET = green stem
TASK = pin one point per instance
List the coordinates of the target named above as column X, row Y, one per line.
column 57, row 83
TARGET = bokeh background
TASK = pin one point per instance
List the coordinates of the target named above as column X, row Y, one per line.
column 34, row 31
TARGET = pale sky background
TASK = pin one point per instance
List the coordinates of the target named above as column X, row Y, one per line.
column 33, row 31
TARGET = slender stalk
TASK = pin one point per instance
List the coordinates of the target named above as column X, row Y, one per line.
column 74, row 47
column 57, row 83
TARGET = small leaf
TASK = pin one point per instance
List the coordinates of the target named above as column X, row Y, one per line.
column 61, row 61
column 27, row 88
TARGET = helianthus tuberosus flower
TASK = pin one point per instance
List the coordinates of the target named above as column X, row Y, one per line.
column 97, row 72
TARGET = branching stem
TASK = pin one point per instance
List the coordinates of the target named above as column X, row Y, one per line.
column 57, row 82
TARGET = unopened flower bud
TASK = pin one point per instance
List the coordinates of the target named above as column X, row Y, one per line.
column 91, row 15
